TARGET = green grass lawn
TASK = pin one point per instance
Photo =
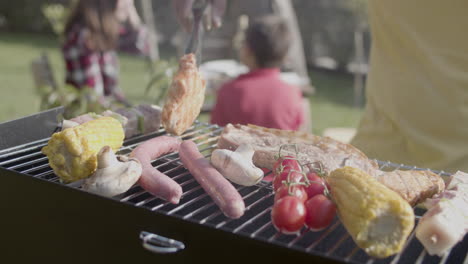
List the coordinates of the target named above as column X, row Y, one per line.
column 331, row 106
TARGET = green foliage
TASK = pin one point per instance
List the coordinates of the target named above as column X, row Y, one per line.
column 57, row 15
column 80, row 101
column 23, row 15
column 75, row 101
column 160, row 78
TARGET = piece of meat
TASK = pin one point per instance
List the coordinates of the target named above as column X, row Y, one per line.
column 446, row 221
column 184, row 98
column 456, row 180
column 218, row 188
column 142, row 119
column 414, row 186
column 152, row 180
column 84, row 118
column 266, row 143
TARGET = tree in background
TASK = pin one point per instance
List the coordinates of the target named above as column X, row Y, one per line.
column 25, row 15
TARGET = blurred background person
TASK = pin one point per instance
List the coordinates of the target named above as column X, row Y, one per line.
column 212, row 16
column 260, row 97
column 417, row 88
column 91, row 40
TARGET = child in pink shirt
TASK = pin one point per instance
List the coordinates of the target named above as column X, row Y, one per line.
column 260, row 97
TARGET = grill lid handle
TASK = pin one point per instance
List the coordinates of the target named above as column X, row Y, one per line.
column 159, row 244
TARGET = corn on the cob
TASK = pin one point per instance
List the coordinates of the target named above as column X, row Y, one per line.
column 73, row 152
column 377, row 218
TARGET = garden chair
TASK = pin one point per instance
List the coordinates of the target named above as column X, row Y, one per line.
column 42, row 73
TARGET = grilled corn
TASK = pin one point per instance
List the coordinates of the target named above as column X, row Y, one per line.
column 73, row 152
column 377, row 218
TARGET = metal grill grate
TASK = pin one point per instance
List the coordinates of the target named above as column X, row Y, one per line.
column 196, row 206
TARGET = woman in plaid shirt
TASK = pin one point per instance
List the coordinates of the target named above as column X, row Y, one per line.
column 91, row 39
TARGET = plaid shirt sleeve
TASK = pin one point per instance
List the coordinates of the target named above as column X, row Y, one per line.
column 85, row 67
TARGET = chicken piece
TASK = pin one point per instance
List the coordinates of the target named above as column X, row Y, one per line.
column 458, row 180
column 72, row 153
column 414, row 186
column 185, row 97
column 446, row 221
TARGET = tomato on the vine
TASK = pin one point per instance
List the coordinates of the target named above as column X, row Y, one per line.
column 288, row 176
column 295, row 190
column 286, row 163
column 320, row 212
column 288, row 215
column 316, row 185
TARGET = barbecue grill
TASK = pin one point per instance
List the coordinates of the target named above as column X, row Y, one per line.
column 44, row 219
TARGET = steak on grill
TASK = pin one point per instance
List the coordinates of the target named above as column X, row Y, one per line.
column 310, row 148
column 414, row 186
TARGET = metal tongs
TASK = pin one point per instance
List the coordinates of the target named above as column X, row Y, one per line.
column 198, row 8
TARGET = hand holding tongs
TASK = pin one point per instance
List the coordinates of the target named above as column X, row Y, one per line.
column 198, row 8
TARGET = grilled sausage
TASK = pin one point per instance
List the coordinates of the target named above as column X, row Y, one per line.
column 151, row 179
column 221, row 190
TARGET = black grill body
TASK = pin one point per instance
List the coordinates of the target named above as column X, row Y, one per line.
column 43, row 219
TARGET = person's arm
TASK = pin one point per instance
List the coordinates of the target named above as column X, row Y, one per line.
column 126, row 11
column 133, row 17
column 212, row 16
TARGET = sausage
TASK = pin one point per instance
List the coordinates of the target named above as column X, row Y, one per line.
column 151, row 179
column 218, row 188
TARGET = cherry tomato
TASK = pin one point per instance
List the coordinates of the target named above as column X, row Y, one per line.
column 316, row 185
column 288, row 215
column 289, row 176
column 286, row 163
column 296, row 190
column 320, row 212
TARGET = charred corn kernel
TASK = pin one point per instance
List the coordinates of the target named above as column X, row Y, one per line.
column 377, row 218
column 72, row 152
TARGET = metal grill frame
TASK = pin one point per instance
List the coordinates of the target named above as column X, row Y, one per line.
column 332, row 244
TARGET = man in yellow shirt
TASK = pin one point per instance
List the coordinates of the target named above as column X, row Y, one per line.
column 417, row 88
